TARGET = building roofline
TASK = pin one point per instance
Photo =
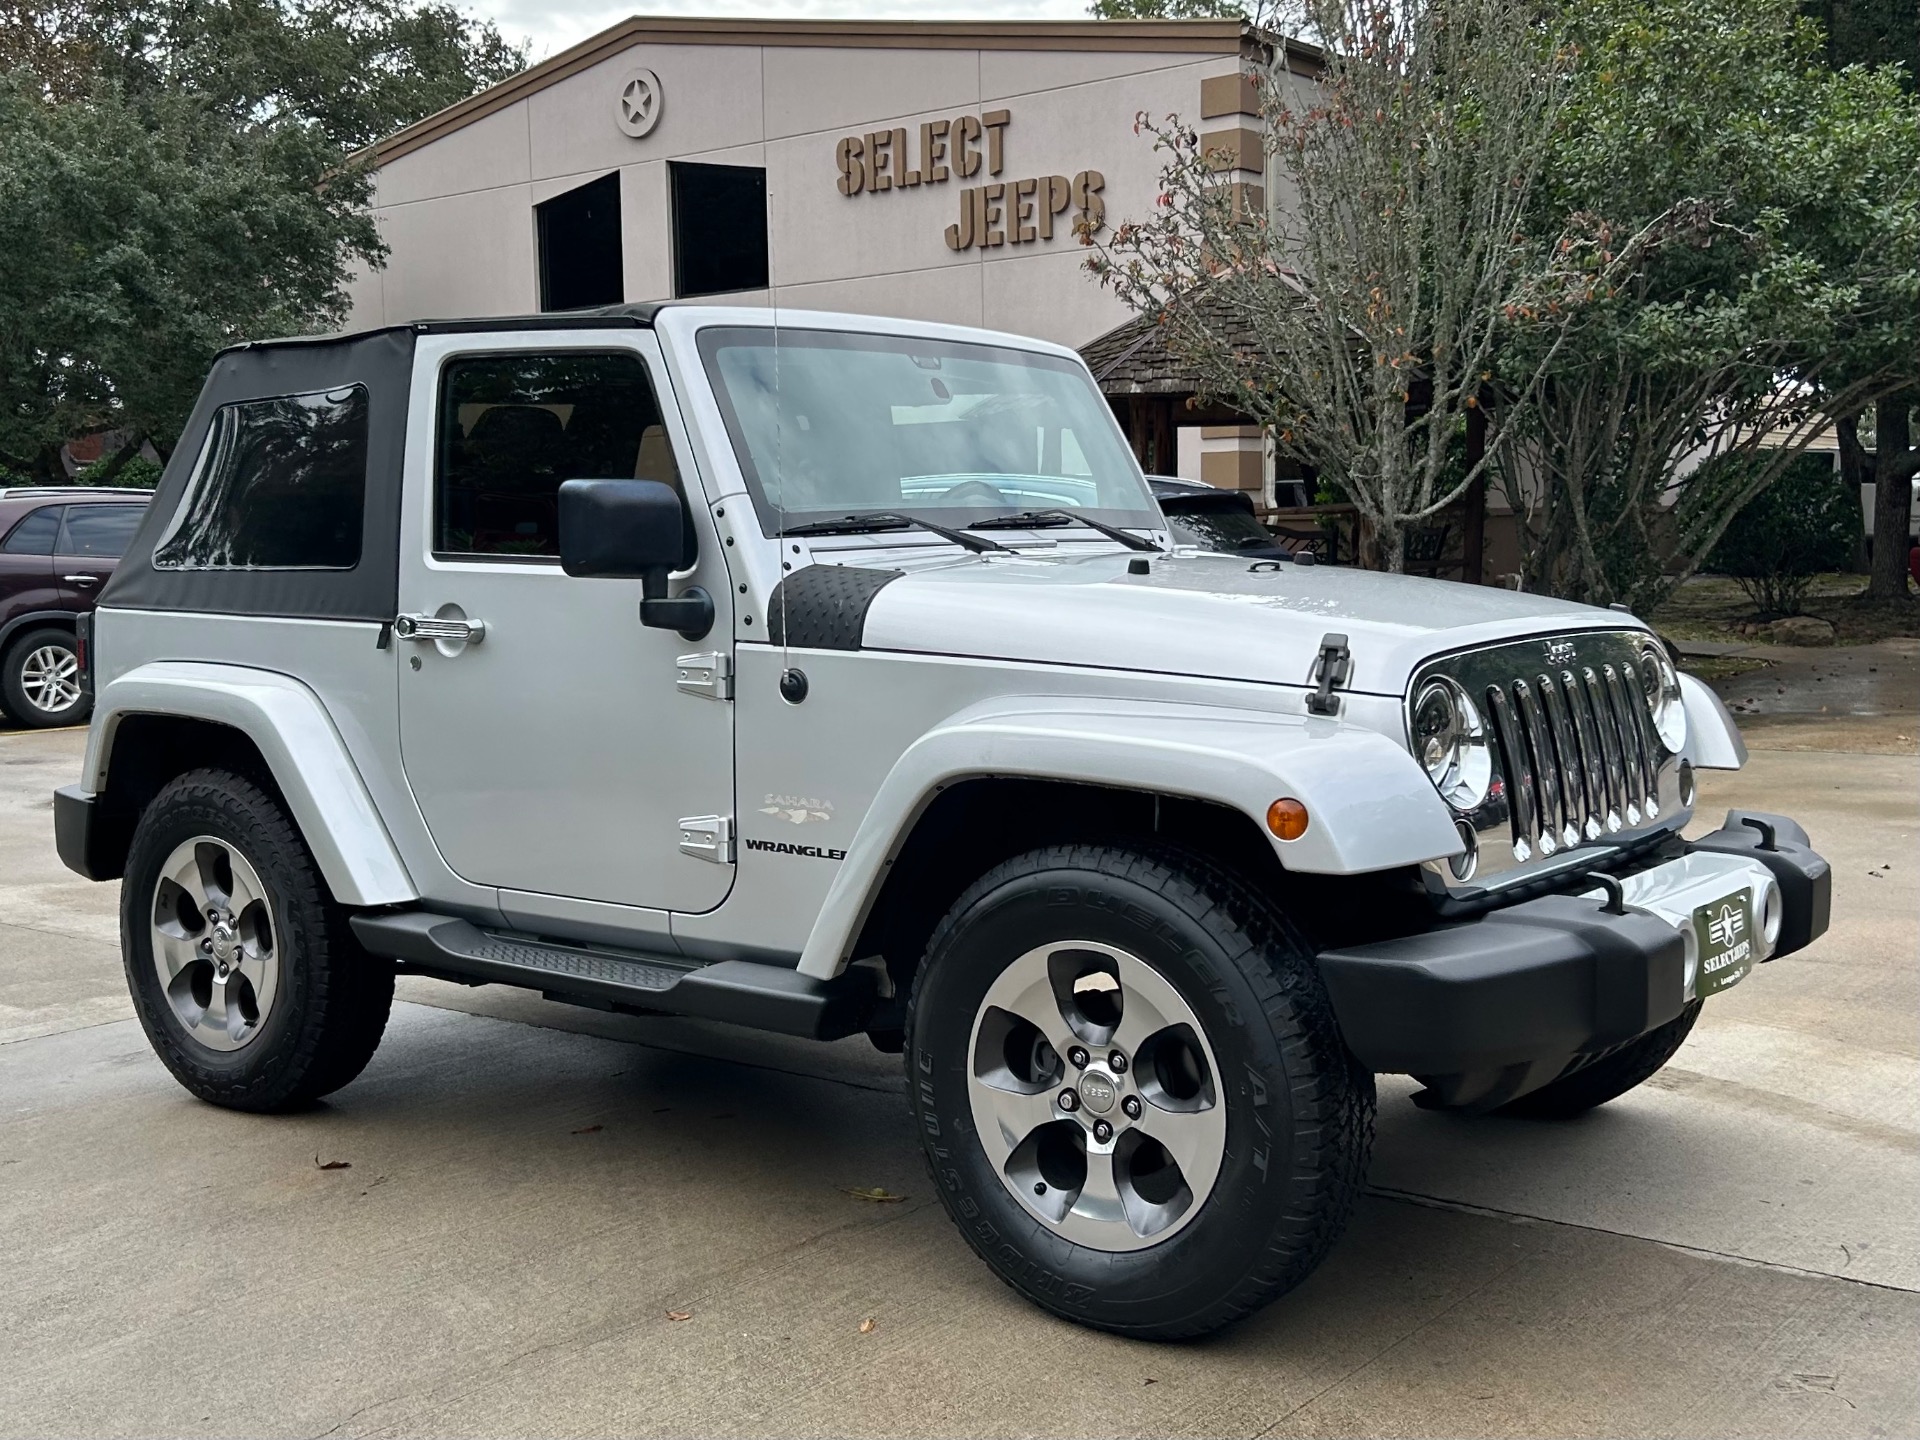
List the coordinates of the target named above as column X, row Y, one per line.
column 1196, row 37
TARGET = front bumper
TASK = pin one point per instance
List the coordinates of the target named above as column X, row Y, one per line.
column 1485, row 1011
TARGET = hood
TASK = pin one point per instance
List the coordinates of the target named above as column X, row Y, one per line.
column 1207, row 615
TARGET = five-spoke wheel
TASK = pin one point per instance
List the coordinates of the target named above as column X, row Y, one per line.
column 1094, row 1095
column 213, row 934
column 1132, row 1093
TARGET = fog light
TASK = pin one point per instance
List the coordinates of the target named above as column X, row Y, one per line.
column 1287, row 819
column 1773, row 913
column 1690, row 963
column 1467, row 861
column 1686, row 782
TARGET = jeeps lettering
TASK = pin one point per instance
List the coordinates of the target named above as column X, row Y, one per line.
column 781, row 847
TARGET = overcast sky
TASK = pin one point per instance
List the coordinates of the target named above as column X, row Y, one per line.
column 550, row 26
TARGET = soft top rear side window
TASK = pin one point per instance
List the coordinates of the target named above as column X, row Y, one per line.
column 281, row 485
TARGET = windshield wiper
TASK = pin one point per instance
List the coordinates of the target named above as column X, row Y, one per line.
column 879, row 520
column 1043, row 519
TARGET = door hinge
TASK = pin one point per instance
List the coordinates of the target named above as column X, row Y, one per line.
column 709, row 673
column 708, row 837
column 1331, row 667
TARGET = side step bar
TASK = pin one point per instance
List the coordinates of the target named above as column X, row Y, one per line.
column 761, row 997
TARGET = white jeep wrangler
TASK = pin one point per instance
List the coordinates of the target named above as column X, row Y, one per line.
column 830, row 675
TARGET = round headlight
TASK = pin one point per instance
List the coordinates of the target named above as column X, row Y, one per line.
column 1450, row 741
column 1661, row 684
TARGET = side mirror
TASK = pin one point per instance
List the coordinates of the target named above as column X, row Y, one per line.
column 634, row 529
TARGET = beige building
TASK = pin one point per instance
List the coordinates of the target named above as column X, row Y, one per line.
column 934, row 170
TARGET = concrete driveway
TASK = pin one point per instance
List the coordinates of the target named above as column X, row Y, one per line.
column 532, row 1191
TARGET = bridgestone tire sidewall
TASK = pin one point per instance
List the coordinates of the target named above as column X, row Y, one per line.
column 1165, row 1288
column 268, row 1071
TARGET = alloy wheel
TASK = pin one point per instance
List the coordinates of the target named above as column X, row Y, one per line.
column 1096, row 1095
column 214, row 943
column 50, row 679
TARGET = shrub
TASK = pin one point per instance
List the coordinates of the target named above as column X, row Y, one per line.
column 138, row 473
column 1802, row 524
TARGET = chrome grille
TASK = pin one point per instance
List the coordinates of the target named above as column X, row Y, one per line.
column 1577, row 762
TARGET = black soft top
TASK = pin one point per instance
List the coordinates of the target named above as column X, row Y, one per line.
column 381, row 360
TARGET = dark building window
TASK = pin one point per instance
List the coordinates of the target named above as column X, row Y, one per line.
column 580, row 247
column 719, row 228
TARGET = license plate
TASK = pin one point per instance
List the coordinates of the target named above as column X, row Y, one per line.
column 1725, row 932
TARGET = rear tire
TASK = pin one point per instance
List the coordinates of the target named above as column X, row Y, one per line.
column 40, row 680
column 1229, row 1051
column 243, row 969
column 1607, row 1078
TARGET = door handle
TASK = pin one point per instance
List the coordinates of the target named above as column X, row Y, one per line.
column 81, row 579
column 432, row 627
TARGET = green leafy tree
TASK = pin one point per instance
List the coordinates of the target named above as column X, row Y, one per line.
column 178, row 177
column 1790, row 302
column 1167, row 10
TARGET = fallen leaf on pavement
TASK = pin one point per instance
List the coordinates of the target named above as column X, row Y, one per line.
column 877, row 1195
column 589, row 1129
column 332, row 1164
column 679, row 1314
column 869, row 1325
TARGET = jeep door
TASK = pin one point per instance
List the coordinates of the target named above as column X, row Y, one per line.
column 554, row 752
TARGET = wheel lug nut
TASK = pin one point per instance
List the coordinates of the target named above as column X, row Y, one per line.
column 1078, row 1057
column 1040, row 1187
column 1132, row 1106
column 1102, row 1131
column 1069, row 1099
column 1117, row 1063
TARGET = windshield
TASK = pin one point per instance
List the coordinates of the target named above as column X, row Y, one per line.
column 827, row 424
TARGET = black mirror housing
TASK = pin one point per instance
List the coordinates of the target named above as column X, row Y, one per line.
column 634, row 529
column 622, row 529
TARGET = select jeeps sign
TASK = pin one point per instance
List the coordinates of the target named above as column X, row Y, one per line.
column 993, row 213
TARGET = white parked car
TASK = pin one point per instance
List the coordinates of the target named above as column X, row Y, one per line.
column 828, row 675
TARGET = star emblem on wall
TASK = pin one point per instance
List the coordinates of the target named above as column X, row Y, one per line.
column 637, row 110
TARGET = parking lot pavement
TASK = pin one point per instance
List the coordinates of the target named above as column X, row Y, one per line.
column 531, row 1189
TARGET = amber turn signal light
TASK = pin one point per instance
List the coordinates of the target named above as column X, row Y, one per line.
column 1287, row 819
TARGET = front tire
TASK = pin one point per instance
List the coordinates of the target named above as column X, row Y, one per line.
column 40, row 680
column 243, row 970
column 1218, row 1129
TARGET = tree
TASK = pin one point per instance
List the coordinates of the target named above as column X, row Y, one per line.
column 1360, row 319
column 177, row 177
column 1791, row 304
column 1877, row 33
column 1167, row 10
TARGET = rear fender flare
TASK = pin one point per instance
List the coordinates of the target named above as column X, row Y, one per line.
column 294, row 735
column 1370, row 806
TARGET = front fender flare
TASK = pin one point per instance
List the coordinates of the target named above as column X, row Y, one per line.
column 1714, row 741
column 1370, row 806
column 290, row 727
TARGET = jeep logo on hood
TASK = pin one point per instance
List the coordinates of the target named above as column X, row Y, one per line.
column 1559, row 652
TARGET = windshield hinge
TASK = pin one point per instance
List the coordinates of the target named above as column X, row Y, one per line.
column 709, row 673
column 1330, row 668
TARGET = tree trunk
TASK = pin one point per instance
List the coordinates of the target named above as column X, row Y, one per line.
column 1894, row 464
column 119, row 460
column 1856, row 470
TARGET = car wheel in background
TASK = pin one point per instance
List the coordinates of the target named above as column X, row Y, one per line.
column 41, row 682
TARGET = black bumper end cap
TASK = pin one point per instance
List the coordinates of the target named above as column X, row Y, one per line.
column 88, row 837
column 1805, row 878
column 1552, row 977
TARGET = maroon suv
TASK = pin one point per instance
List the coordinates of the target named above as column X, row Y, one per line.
column 60, row 544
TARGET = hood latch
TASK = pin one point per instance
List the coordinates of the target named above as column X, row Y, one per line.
column 1330, row 668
